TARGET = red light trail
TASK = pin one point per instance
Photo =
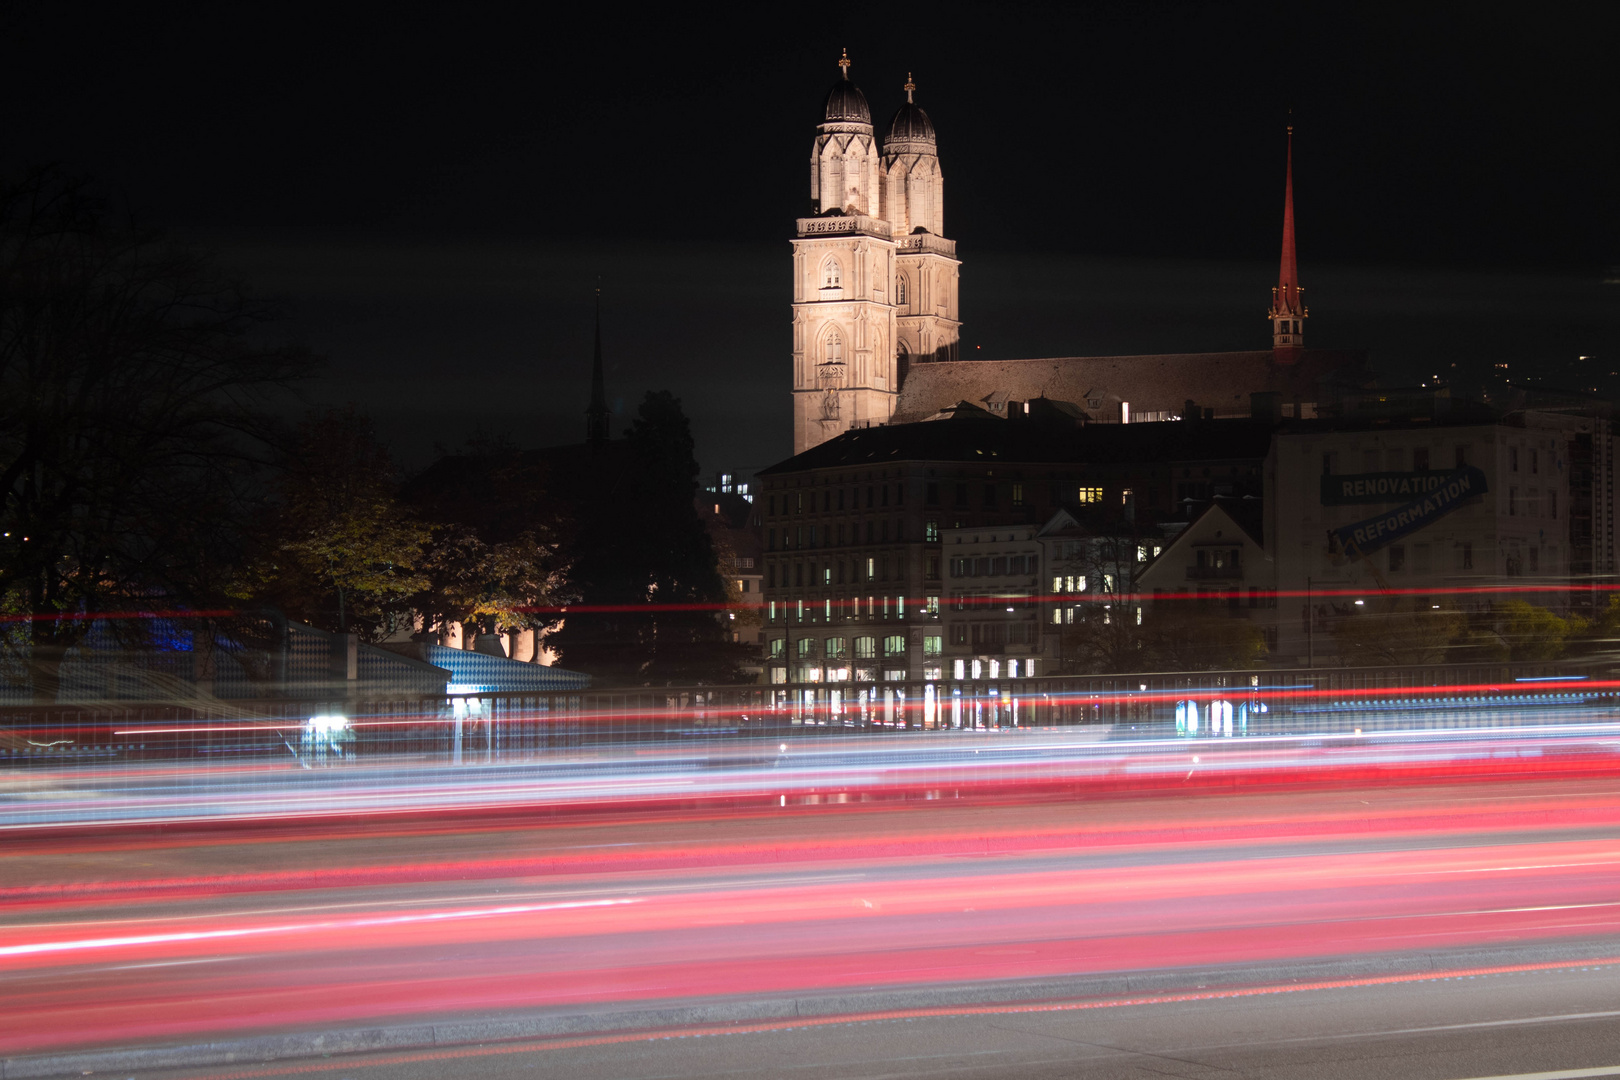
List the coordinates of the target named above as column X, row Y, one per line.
column 337, row 921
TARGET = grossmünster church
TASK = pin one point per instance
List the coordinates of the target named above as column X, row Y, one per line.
column 876, row 315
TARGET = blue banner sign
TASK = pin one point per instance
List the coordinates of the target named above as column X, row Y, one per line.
column 1366, row 537
column 1379, row 487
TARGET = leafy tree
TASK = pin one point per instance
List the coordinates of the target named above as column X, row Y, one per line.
column 490, row 588
column 644, row 563
column 1183, row 639
column 1534, row 633
column 136, row 389
column 496, row 553
column 1399, row 637
column 1108, row 640
column 344, row 553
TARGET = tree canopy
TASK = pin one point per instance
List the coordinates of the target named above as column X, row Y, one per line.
column 137, row 393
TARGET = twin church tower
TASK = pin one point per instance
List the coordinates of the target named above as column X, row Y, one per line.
column 875, row 304
column 874, row 278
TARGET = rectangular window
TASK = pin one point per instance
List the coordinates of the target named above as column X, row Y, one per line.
column 959, row 634
column 1513, row 502
column 933, row 645
column 1535, row 461
column 1018, row 494
column 835, row 648
column 931, row 568
column 1057, row 585
column 771, row 502
column 773, row 611
column 1397, row 558
column 1513, row 459
column 1462, row 455
column 931, row 531
column 894, row 645
column 807, row 648
column 931, row 493
column 1420, row 459
column 1330, row 463
column 1141, row 553
column 1090, row 495
column 961, row 494
column 865, row 648
column 871, row 569
column 1465, row 556
column 931, row 605
column 989, row 496
column 778, row 648
column 1534, row 558
column 826, row 574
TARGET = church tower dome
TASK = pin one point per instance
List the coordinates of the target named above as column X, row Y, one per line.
column 846, row 104
column 910, row 131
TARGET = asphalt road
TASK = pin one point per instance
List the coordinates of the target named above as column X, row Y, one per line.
column 133, row 937
column 1546, row 1024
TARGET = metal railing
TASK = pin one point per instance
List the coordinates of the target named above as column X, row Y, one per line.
column 474, row 728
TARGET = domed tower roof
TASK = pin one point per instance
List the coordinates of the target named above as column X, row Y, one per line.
column 910, row 132
column 845, row 102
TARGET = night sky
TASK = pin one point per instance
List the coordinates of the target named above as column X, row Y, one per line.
column 437, row 191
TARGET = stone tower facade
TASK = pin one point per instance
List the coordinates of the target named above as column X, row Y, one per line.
column 874, row 282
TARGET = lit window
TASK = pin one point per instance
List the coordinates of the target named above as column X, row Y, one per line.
column 835, row 648
column 959, row 669
column 933, row 645
column 931, row 532
column 1057, row 584
column 894, row 645
column 933, row 605
column 865, row 648
column 1141, row 553
column 1090, row 494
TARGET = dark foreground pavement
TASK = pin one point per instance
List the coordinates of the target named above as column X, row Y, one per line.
column 1556, row 1022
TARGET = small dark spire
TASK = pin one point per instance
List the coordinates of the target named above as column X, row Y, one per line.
column 597, row 417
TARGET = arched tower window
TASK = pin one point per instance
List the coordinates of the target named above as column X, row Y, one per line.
column 831, row 277
column 833, row 348
column 900, row 290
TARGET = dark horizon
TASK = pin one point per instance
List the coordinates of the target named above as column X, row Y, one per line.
column 437, row 197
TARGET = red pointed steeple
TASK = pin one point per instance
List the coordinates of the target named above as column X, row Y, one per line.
column 1287, row 304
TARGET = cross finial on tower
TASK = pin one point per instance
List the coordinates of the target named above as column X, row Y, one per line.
column 910, row 86
column 844, row 63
